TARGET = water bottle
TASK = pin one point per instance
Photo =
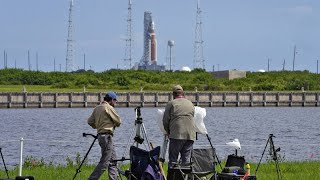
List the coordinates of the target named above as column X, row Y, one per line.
column 247, row 168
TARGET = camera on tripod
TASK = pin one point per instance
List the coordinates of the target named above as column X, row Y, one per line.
column 138, row 122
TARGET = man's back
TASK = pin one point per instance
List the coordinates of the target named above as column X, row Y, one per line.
column 181, row 123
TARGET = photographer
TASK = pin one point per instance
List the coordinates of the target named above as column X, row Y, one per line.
column 104, row 118
column 179, row 124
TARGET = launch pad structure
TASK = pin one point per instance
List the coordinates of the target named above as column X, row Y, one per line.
column 149, row 57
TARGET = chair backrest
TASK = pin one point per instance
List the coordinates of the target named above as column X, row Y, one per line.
column 203, row 161
column 144, row 164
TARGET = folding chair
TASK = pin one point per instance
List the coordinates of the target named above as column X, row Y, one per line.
column 144, row 165
column 202, row 165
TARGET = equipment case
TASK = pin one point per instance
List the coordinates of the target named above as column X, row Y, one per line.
column 232, row 176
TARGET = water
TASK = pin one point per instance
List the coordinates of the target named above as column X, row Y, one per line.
column 55, row 134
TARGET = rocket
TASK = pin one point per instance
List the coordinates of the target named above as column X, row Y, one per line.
column 153, row 46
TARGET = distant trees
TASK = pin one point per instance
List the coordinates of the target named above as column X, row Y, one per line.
column 134, row 80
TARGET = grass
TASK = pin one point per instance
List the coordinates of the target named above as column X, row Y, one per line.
column 267, row 171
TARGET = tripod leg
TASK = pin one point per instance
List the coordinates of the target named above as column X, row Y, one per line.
column 129, row 142
column 262, row 155
column 78, row 170
column 144, row 132
column 275, row 158
column 209, row 139
column 5, row 167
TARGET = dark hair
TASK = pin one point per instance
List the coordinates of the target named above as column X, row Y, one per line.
column 107, row 98
column 178, row 93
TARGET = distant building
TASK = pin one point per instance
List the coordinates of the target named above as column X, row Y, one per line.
column 153, row 67
column 185, row 68
column 229, row 74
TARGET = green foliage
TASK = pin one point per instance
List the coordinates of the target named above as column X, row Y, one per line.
column 134, row 80
column 31, row 162
column 77, row 160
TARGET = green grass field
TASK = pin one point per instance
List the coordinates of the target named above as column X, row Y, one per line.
column 309, row 170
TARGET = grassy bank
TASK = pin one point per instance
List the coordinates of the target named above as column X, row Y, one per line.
column 290, row 170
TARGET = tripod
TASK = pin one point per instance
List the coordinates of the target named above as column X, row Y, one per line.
column 273, row 153
column 95, row 138
column 140, row 134
column 139, row 131
column 5, row 167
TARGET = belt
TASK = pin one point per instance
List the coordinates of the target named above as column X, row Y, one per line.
column 106, row 133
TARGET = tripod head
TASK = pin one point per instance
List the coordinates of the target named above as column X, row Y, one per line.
column 86, row 134
column 138, row 122
column 273, row 150
column 138, row 115
column 138, row 111
column 273, row 153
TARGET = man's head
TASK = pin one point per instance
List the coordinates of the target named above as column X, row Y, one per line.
column 177, row 91
column 111, row 98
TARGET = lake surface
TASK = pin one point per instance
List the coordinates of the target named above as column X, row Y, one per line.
column 55, row 134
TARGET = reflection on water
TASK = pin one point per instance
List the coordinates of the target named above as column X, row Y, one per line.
column 55, row 134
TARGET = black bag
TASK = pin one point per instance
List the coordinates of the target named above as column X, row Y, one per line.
column 24, row 178
column 234, row 169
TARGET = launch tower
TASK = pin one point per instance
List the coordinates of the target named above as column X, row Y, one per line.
column 149, row 57
column 198, row 60
column 70, row 42
column 128, row 49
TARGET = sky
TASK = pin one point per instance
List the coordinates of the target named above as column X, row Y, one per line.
column 236, row 34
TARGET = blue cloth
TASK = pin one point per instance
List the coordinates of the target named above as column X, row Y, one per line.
column 151, row 174
column 144, row 164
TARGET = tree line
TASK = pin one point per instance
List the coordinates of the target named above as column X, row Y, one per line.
column 134, row 80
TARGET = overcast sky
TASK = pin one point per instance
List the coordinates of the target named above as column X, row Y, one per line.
column 237, row 34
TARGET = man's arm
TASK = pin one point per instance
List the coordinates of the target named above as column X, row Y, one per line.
column 166, row 118
column 115, row 117
column 91, row 120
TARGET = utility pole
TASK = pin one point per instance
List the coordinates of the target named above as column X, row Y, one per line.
column 84, row 61
column 37, row 61
column 198, row 59
column 15, row 63
column 268, row 64
column 29, row 64
column 294, row 57
column 284, row 64
column 54, row 64
column 317, row 66
column 4, row 59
